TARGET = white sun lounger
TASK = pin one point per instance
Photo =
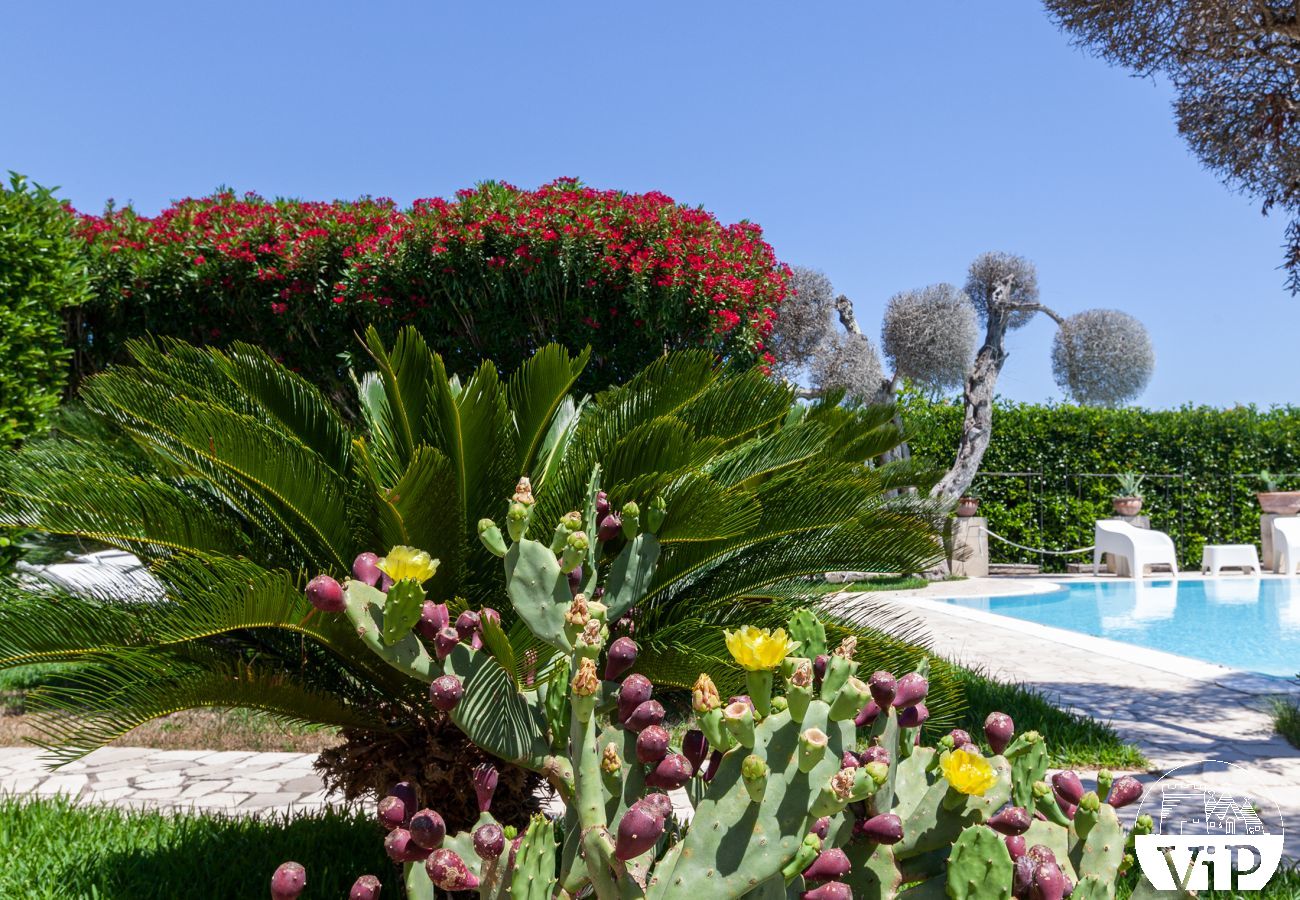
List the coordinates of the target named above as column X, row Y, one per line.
column 1286, row 544
column 1139, row 547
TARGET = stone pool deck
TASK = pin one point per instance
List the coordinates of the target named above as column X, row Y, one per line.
column 1179, row 711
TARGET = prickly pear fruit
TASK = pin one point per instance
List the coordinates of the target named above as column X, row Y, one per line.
column 489, row 840
column 401, row 849
column 427, row 829
column 849, row 760
column 392, row 812
column 486, row 777
column 885, row 828
column 651, row 744
column 715, row 760
column 1124, row 791
column 867, row 714
column 1015, row 845
column 1022, row 877
column 445, row 641
column 673, row 771
column 490, row 615
column 913, row 716
column 651, row 712
column 1049, row 882
column 575, row 580
column 610, row 527
column 659, row 804
column 960, row 737
column 602, row 505
column 830, row 865
column 821, row 827
column 635, row 690
column 883, row 686
column 365, row 569
column 288, row 882
column 874, row 754
column 998, row 731
column 467, row 624
column 1067, row 787
column 1012, row 820
column 326, row 594
column 695, row 746
column 619, row 658
column 831, row 890
column 433, row 618
column 445, row 692
column 910, row 690
column 819, row 668
column 637, row 832
column 448, row 871
column 367, row 887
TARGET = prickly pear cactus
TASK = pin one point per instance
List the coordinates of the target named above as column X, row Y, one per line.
column 785, row 804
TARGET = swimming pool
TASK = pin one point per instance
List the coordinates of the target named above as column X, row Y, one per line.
column 1246, row 623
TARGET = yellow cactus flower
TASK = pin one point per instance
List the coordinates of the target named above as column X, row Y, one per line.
column 968, row 773
column 408, row 564
column 758, row 649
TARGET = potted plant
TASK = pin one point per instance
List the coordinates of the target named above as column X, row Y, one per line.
column 967, row 506
column 1279, row 503
column 1128, row 502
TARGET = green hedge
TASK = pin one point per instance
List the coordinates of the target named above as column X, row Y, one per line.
column 1201, row 465
column 42, row 272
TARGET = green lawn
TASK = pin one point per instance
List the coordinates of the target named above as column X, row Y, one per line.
column 55, row 850
column 1286, row 720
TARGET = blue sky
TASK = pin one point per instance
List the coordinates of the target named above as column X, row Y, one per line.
column 885, row 146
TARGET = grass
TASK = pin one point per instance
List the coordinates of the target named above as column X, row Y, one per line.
column 1073, row 741
column 53, row 848
column 1286, row 720
column 867, row 585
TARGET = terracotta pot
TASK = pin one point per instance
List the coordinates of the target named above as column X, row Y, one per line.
column 967, row 507
column 1281, row 503
column 1126, row 506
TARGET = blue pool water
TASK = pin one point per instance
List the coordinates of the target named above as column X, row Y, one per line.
column 1246, row 623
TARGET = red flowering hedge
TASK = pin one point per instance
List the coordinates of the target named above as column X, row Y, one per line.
column 493, row 273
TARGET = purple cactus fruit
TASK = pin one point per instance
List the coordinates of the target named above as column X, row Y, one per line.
column 514, row 848
column 1049, row 882
column 288, row 882
column 433, row 618
column 1067, row 787
column 874, row 754
column 831, row 890
column 998, row 730
column 635, row 690
column 883, row 686
column 637, row 832
column 486, row 777
column 445, row 692
column 830, row 865
column 444, row 642
column 575, row 581
column 448, row 871
column 490, row 614
column 367, row 887
column 611, row 526
column 1022, row 878
column 1124, row 791
column 695, row 746
column 602, row 505
column 673, row 771
column 867, row 714
column 1068, row 808
column 659, row 804
column 406, row 791
column 1040, row 854
column 401, row 849
column 652, row 744
column 913, row 716
column 489, row 841
column 821, row 827
column 326, row 594
column 1015, row 845
column 960, row 738
column 646, row 714
column 427, row 829
column 392, row 812
column 619, row 658
column 819, row 668
column 467, row 624
column 385, row 583
column 849, row 760
column 715, row 760
column 1011, row 821
column 910, row 690
column 365, row 568
column 885, row 828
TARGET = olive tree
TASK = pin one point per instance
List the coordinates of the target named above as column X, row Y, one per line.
column 930, row 336
column 1235, row 70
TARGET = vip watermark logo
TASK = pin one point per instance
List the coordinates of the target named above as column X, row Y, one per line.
column 1212, row 829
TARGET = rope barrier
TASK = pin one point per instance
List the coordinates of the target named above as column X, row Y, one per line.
column 1039, row 549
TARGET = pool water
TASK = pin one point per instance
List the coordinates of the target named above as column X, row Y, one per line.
column 1245, row 623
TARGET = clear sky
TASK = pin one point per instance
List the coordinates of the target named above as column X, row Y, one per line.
column 885, row 143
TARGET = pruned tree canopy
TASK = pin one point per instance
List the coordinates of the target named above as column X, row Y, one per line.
column 847, row 361
column 1102, row 357
column 929, row 335
column 1235, row 68
column 804, row 321
column 1004, row 280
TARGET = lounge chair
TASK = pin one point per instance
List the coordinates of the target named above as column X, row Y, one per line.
column 1139, row 547
column 1286, row 544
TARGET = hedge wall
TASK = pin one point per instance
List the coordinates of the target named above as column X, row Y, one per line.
column 492, row 274
column 1038, row 485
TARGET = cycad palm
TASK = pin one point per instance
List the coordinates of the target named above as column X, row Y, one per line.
column 235, row 481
